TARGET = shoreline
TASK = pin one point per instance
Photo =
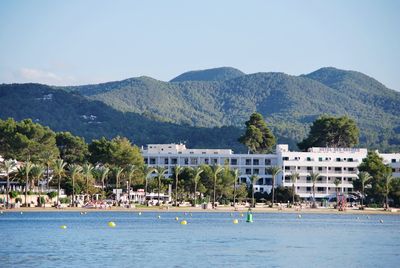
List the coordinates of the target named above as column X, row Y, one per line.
column 217, row 210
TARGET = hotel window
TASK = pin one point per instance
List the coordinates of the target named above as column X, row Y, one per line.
column 287, row 168
column 338, row 169
column 308, row 158
column 206, row 161
column 308, row 178
column 256, row 162
column 309, row 168
column 393, row 170
column 146, row 161
column 349, row 179
column 248, row 171
column 152, row 161
column 320, row 159
column 256, row 171
column 267, row 162
column 174, row 161
column 214, row 161
column 338, row 159
column 285, row 158
column 248, row 162
column 350, row 169
column 261, row 189
column 320, row 189
column 193, row 161
column 350, row 160
column 319, row 168
column 393, row 160
column 234, row 162
column 186, row 161
column 308, row 189
column 166, row 161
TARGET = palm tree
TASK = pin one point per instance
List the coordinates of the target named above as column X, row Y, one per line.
column 235, row 179
column 8, row 166
column 160, row 171
column 177, row 170
column 59, row 172
column 215, row 171
column 87, row 171
column 314, row 177
column 274, row 170
column 47, row 158
column 196, row 180
column 293, row 178
column 388, row 177
column 117, row 173
column 103, row 173
column 148, row 171
column 253, row 179
column 36, row 174
column 337, row 182
column 364, row 178
column 27, row 170
column 129, row 172
column 74, row 171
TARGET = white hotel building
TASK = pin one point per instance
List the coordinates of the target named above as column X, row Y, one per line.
column 330, row 163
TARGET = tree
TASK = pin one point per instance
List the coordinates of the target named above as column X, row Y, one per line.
column 258, row 137
column 235, row 180
column 364, row 178
column 215, row 171
column 36, row 174
column 75, row 170
column 117, row 171
column 274, row 170
column 129, row 172
column 373, row 164
column 314, row 177
column 196, row 180
column 7, row 167
column 337, row 182
column 117, row 152
column 26, row 170
column 73, row 149
column 388, row 177
column 148, row 171
column 47, row 158
column 160, row 171
column 330, row 131
column 25, row 140
column 87, row 172
column 59, row 172
column 177, row 170
column 253, row 179
column 293, row 178
column 103, row 174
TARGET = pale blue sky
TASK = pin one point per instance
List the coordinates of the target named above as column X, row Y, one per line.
column 77, row 42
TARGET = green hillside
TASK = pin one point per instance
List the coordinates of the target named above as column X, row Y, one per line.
column 63, row 111
column 289, row 103
column 215, row 74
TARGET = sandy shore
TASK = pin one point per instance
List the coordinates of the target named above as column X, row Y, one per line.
column 219, row 209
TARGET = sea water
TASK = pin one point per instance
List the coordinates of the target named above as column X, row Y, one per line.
column 35, row 239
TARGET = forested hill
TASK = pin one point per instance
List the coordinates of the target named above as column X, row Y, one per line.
column 289, row 103
column 64, row 111
column 226, row 97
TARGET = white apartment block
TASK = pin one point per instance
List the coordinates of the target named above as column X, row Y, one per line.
column 330, row 163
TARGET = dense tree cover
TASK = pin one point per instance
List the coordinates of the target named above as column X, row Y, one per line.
column 379, row 185
column 258, row 137
column 291, row 103
column 215, row 74
column 116, row 152
column 330, row 131
column 73, row 149
column 26, row 140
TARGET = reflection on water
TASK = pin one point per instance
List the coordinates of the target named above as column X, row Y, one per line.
column 209, row 239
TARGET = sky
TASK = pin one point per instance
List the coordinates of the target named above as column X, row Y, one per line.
column 90, row 41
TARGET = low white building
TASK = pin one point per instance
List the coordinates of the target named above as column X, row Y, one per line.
column 331, row 163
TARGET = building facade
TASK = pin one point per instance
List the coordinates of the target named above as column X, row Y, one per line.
column 331, row 163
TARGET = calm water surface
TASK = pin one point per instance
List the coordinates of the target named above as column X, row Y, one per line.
column 209, row 240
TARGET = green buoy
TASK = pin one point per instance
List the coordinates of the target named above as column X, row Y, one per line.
column 249, row 217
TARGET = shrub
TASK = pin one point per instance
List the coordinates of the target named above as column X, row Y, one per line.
column 65, row 200
column 51, row 195
column 18, row 200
